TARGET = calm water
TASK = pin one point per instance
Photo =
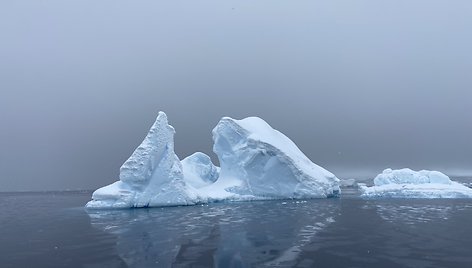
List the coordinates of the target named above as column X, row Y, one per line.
column 53, row 230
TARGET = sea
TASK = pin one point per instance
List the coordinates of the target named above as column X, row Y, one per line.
column 52, row 229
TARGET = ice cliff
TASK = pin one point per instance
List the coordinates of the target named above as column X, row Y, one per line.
column 261, row 162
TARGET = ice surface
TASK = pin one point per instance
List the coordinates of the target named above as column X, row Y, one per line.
column 408, row 176
column 199, row 171
column 259, row 162
column 152, row 176
column 406, row 183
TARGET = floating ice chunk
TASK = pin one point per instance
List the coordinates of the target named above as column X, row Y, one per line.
column 199, row 171
column 406, row 183
column 348, row 183
column 152, row 176
column 259, row 162
column 408, row 176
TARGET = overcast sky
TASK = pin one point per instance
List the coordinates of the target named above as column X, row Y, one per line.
column 359, row 86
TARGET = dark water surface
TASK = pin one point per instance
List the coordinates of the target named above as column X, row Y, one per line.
column 53, row 230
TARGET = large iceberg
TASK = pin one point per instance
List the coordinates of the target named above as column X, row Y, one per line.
column 407, row 183
column 257, row 163
column 152, row 176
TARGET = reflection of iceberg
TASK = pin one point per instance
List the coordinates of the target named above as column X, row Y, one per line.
column 218, row 235
column 406, row 183
column 257, row 163
column 305, row 236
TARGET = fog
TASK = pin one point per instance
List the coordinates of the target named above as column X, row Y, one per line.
column 359, row 86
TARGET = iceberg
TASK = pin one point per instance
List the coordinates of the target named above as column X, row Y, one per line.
column 407, row 183
column 348, row 183
column 152, row 176
column 257, row 163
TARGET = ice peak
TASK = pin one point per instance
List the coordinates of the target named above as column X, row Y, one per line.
column 152, row 175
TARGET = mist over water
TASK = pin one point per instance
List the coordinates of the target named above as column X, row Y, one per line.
column 359, row 86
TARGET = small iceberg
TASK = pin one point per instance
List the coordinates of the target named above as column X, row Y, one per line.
column 407, row 183
column 348, row 183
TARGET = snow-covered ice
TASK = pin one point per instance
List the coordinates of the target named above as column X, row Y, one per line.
column 407, row 183
column 257, row 163
column 260, row 162
column 152, row 176
column 199, row 171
